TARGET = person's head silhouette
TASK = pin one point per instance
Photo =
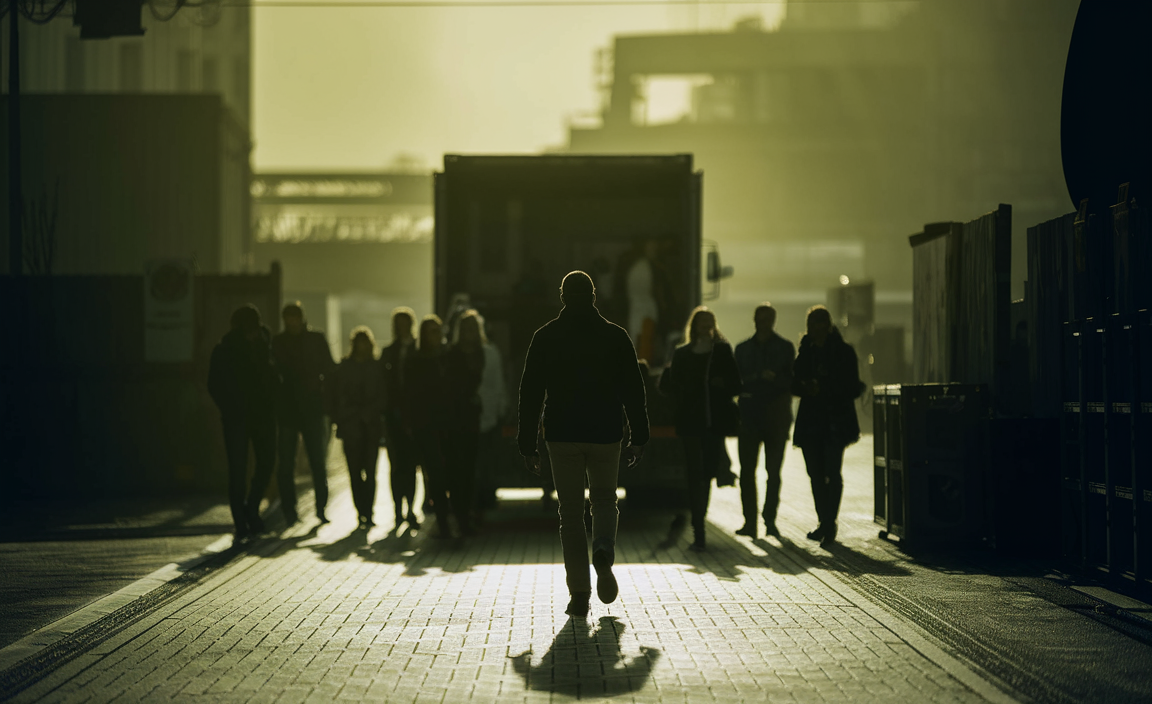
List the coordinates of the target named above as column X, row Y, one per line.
column 577, row 290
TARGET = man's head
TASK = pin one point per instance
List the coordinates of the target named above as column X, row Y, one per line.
column 247, row 318
column 293, row 315
column 403, row 318
column 764, row 319
column 577, row 290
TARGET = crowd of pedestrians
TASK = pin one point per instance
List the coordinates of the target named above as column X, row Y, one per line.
column 437, row 403
column 428, row 400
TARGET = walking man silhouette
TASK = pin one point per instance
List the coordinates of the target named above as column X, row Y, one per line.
column 583, row 371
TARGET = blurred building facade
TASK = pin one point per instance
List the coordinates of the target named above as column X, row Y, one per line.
column 352, row 246
column 828, row 140
column 137, row 148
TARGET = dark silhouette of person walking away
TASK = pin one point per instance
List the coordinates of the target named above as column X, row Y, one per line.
column 765, row 362
column 464, row 365
column 827, row 380
column 357, row 408
column 427, row 406
column 394, row 359
column 242, row 381
column 304, row 360
column 703, row 379
column 583, row 371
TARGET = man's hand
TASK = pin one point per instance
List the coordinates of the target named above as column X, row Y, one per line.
column 532, row 464
column 631, row 455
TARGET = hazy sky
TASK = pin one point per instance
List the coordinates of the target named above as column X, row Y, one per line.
column 350, row 88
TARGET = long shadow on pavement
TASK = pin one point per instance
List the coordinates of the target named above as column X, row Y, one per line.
column 519, row 528
column 586, row 663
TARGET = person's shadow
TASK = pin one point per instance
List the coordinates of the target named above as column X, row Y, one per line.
column 584, row 663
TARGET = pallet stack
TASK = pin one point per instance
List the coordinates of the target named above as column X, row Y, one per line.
column 1089, row 277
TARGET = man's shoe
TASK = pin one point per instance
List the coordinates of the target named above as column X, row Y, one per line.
column 413, row 524
column 578, row 604
column 321, row 517
column 829, row 535
column 817, row 534
column 725, row 478
column 606, row 587
column 748, row 530
column 770, row 527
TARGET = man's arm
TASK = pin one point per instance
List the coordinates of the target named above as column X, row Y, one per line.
column 533, row 384
column 784, row 368
column 633, row 394
column 327, row 364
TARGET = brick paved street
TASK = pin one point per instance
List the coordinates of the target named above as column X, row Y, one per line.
column 333, row 614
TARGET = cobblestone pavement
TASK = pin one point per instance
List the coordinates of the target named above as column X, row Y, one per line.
column 330, row 613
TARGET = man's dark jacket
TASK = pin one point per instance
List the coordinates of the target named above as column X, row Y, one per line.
column 766, row 406
column 304, row 360
column 395, row 358
column 241, row 377
column 582, row 369
column 827, row 381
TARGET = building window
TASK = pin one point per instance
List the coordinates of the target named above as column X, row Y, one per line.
column 132, row 67
column 73, row 65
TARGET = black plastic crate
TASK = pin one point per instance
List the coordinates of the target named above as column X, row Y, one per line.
column 1089, row 263
column 936, row 455
column 879, row 459
column 1093, row 446
column 1121, row 349
column 1071, row 468
column 1142, row 450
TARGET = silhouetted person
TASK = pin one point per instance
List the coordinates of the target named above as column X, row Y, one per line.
column 493, row 393
column 357, row 408
column 702, row 379
column 394, row 359
column 463, row 367
column 426, row 410
column 827, row 381
column 242, row 381
column 765, row 362
column 304, row 360
column 583, row 371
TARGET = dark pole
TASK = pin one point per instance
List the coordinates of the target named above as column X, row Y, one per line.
column 15, row 196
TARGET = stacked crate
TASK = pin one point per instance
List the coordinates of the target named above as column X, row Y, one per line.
column 1100, row 288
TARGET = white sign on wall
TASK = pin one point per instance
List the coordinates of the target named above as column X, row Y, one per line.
column 168, row 310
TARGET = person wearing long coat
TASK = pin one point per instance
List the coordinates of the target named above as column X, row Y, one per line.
column 427, row 410
column 703, row 379
column 358, row 409
column 827, row 380
column 463, row 367
column 242, row 380
column 402, row 454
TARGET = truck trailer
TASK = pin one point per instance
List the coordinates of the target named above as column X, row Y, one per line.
column 507, row 230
